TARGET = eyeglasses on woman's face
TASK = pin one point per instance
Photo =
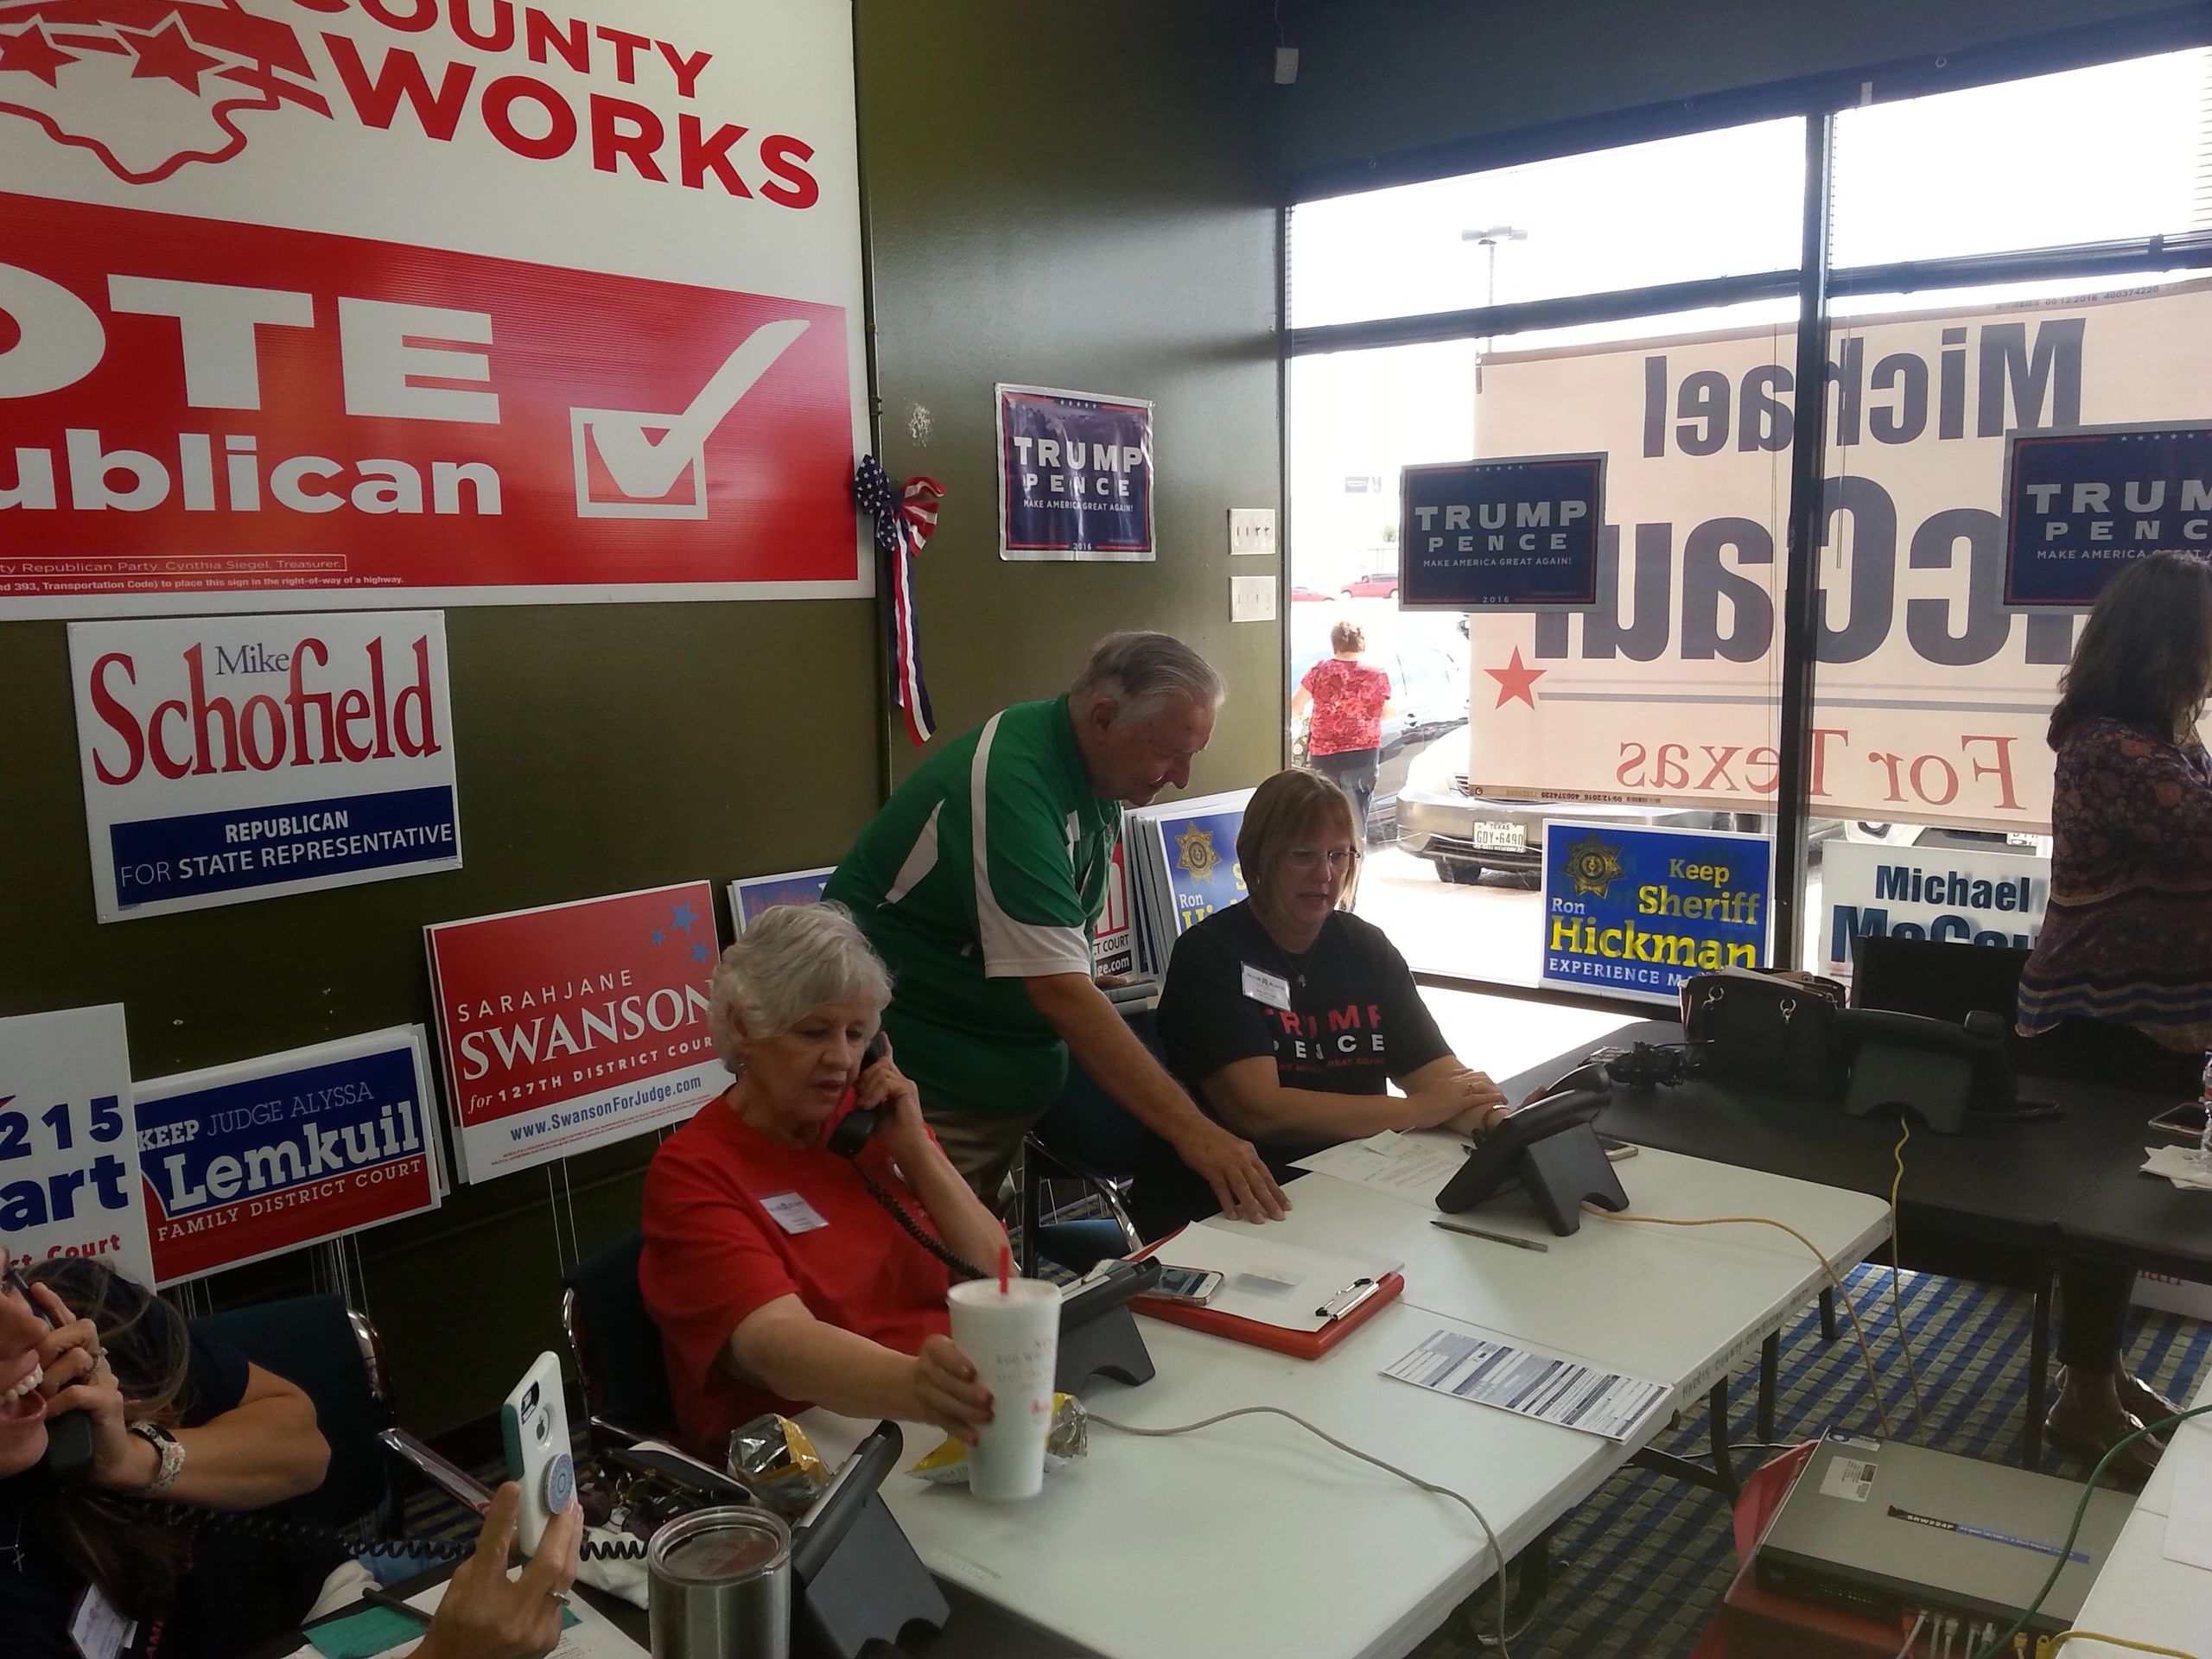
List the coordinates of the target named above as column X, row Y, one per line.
column 1312, row 858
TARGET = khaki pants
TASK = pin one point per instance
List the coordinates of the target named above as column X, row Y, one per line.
column 986, row 1151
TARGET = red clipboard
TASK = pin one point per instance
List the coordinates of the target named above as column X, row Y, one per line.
column 1299, row 1344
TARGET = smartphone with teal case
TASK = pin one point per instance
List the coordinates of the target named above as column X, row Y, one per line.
column 534, row 1423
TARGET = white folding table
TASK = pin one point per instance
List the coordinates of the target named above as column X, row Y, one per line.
column 1254, row 1537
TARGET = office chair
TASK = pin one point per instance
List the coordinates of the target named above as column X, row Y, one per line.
column 1086, row 1137
column 1942, row 979
column 616, row 1346
column 334, row 1355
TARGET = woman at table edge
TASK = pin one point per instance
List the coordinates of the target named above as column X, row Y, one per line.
column 2119, row 987
column 1287, row 1016
column 777, row 1278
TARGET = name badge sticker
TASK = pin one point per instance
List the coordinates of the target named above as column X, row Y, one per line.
column 98, row 1629
column 792, row 1213
column 1270, row 988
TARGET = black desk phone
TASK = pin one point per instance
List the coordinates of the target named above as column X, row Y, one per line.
column 1549, row 1148
column 852, row 1134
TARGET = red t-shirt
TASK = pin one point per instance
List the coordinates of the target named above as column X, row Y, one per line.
column 1347, row 699
column 715, row 1251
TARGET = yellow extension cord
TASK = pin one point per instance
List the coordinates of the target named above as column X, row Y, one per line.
column 1843, row 1296
column 2047, row 1647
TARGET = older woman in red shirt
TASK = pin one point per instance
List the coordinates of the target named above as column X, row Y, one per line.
column 1349, row 701
column 775, row 1268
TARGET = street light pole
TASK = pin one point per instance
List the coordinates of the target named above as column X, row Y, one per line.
column 1488, row 239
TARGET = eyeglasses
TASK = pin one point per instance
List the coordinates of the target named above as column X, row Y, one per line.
column 1307, row 858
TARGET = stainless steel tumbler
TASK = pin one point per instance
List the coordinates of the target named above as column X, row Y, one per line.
column 721, row 1586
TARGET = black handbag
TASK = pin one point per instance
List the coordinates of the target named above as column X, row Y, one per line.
column 1772, row 1032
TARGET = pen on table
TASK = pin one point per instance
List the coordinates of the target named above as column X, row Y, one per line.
column 1453, row 1224
column 398, row 1604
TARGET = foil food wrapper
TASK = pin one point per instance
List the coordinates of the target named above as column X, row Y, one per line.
column 1067, row 1439
column 778, row 1464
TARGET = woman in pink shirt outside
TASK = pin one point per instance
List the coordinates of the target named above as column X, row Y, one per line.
column 1348, row 700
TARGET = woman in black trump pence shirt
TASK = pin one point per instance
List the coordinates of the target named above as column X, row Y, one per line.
column 1287, row 1017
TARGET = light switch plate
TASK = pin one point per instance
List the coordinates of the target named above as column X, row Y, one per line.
column 1251, row 529
column 1251, row 598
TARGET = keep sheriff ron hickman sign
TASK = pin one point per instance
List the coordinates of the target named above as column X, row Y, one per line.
column 1518, row 533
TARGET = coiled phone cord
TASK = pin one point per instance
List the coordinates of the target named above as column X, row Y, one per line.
column 915, row 1231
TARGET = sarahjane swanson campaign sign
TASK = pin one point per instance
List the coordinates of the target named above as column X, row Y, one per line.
column 243, row 758
column 68, row 1187
column 591, row 330
column 246, row 1161
column 1075, row 476
column 1518, row 533
column 574, row 1026
column 2080, row 503
column 1639, row 911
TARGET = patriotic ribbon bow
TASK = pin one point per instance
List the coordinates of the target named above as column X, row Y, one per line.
column 905, row 518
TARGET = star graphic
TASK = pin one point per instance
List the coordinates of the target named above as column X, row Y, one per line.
column 1516, row 680
column 33, row 52
column 699, row 953
column 168, row 53
column 659, row 937
column 1591, row 865
column 681, row 917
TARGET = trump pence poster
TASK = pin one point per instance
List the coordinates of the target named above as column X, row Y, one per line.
column 574, row 1026
column 368, row 302
column 249, row 756
column 246, row 1161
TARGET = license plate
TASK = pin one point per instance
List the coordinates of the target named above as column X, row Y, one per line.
column 1500, row 837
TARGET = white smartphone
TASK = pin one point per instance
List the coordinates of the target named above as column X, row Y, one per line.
column 1188, row 1284
column 534, row 1423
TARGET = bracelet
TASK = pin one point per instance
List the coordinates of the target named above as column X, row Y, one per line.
column 172, row 1455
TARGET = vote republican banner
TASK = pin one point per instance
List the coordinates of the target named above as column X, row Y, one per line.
column 574, row 1026
column 67, row 1169
column 426, row 303
column 244, row 1161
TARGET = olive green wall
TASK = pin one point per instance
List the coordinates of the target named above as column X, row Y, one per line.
column 1044, row 211
column 1376, row 76
column 1079, row 196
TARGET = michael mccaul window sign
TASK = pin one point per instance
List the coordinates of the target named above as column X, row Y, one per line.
column 582, row 323
column 248, row 756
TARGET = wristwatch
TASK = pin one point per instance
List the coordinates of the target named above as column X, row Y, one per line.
column 171, row 1450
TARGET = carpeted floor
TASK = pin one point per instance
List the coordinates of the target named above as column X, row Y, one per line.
column 1638, row 1571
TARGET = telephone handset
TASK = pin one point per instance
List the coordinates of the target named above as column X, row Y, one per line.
column 68, row 1437
column 852, row 1134
column 853, row 1130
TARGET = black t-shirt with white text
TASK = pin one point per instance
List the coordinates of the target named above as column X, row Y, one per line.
column 1355, row 1024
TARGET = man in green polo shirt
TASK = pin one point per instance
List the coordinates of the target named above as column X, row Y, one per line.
column 980, row 883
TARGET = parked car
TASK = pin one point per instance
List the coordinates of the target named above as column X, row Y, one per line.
column 1429, row 686
column 1463, row 834
column 1298, row 591
column 1382, row 584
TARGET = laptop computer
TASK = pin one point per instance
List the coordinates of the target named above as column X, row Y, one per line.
column 1888, row 1531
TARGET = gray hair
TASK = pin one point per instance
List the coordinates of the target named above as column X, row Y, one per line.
column 1141, row 672
column 788, row 963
